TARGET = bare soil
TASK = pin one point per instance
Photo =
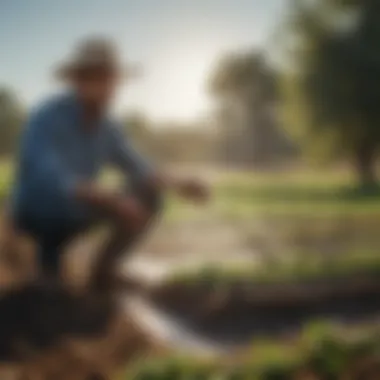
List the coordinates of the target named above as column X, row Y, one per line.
column 237, row 314
column 66, row 331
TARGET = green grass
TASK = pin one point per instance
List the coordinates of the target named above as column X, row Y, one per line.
column 323, row 350
column 293, row 194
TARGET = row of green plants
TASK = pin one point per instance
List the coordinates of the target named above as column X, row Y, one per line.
column 306, row 267
column 322, row 352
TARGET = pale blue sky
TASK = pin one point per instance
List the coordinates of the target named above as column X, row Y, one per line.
column 176, row 41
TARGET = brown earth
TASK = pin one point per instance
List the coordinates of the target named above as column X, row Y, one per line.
column 238, row 313
column 60, row 332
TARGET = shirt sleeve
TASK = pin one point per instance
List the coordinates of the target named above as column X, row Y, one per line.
column 42, row 155
column 124, row 156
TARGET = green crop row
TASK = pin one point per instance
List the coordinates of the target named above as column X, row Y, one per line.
column 305, row 268
column 320, row 354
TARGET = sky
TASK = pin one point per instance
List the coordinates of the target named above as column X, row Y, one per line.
column 176, row 42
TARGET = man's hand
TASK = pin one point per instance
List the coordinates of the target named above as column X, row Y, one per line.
column 193, row 190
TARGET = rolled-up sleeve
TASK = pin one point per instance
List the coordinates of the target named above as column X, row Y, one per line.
column 123, row 155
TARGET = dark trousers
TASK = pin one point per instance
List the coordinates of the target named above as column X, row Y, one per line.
column 53, row 235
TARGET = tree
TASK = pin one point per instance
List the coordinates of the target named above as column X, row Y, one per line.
column 11, row 118
column 246, row 88
column 337, row 76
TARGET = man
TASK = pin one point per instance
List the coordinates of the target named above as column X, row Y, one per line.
column 65, row 144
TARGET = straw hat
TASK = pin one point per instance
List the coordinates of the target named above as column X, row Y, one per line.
column 95, row 53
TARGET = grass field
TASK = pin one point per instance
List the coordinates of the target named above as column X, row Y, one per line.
column 248, row 194
column 245, row 195
column 309, row 212
column 321, row 212
column 302, row 212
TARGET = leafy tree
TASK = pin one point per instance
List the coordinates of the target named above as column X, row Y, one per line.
column 336, row 78
column 245, row 78
column 246, row 87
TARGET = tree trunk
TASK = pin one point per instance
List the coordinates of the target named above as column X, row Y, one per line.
column 365, row 164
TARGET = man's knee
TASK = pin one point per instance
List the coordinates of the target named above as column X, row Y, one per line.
column 151, row 198
column 144, row 208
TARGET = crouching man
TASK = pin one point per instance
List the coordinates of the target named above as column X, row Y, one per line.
column 66, row 142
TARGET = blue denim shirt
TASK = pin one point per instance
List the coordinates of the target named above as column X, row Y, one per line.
column 57, row 152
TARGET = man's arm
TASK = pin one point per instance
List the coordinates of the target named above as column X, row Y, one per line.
column 123, row 155
column 132, row 163
column 132, row 210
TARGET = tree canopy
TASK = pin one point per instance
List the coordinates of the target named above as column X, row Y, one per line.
column 245, row 86
column 337, row 76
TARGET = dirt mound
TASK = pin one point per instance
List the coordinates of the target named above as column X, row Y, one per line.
column 51, row 333
column 35, row 318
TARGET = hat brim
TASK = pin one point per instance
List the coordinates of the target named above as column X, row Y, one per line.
column 70, row 70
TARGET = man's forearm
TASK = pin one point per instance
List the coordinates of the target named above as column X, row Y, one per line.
column 126, row 210
column 186, row 188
